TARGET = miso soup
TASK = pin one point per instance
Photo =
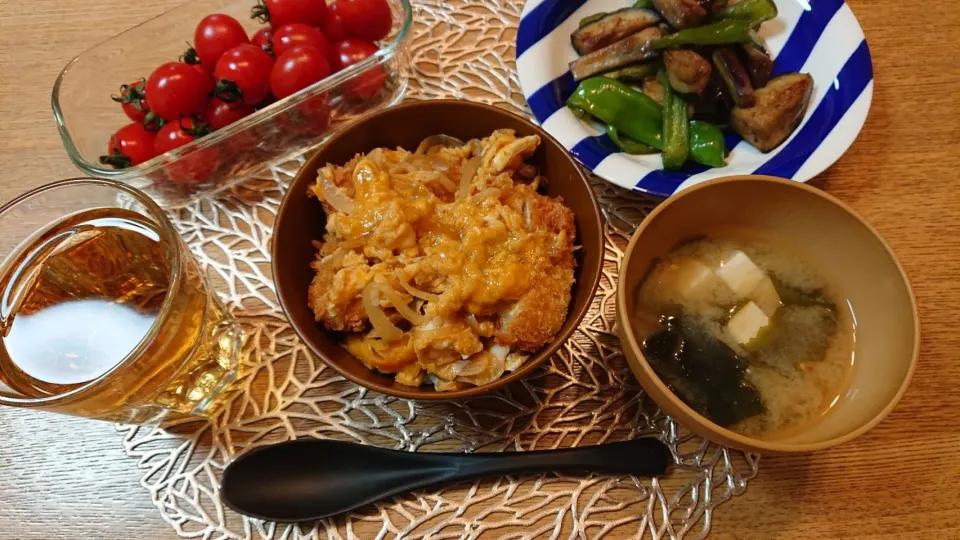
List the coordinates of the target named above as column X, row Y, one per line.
column 745, row 333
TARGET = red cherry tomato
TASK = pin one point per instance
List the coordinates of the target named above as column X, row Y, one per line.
column 334, row 27
column 243, row 72
column 368, row 19
column 130, row 145
column 291, row 35
column 176, row 134
column 220, row 114
column 133, row 100
column 281, row 12
column 367, row 84
column 207, row 76
column 215, row 35
column 196, row 165
column 298, row 68
column 310, row 118
column 263, row 39
column 176, row 89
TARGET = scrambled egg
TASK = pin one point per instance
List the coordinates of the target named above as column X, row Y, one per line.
column 445, row 264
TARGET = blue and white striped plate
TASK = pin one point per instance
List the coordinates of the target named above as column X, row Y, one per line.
column 819, row 37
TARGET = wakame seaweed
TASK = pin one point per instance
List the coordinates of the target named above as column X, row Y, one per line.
column 703, row 371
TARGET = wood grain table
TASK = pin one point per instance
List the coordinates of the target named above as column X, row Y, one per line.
column 68, row 478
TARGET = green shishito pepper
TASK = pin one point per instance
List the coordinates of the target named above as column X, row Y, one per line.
column 706, row 144
column 755, row 11
column 643, row 4
column 616, row 104
column 718, row 33
column 676, row 130
column 629, row 146
column 592, row 18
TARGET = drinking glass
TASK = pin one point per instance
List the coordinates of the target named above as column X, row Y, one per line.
column 104, row 312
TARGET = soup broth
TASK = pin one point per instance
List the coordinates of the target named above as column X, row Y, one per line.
column 745, row 333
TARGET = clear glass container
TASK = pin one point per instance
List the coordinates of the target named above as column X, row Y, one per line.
column 87, row 117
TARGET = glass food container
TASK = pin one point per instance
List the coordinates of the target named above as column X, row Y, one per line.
column 87, row 117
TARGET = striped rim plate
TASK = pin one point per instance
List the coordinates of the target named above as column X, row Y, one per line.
column 819, row 37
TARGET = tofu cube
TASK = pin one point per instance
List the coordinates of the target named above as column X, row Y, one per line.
column 740, row 274
column 697, row 282
column 766, row 297
column 748, row 324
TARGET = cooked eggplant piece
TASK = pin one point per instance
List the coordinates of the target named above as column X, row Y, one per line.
column 759, row 65
column 714, row 103
column 612, row 27
column 779, row 109
column 653, row 89
column 629, row 50
column 734, row 75
column 687, row 71
column 634, row 73
column 681, row 14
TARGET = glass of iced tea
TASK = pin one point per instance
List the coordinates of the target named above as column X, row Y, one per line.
column 104, row 312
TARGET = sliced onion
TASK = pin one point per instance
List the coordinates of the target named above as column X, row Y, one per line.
column 396, row 300
column 381, row 324
column 376, row 155
column 434, row 140
column 457, row 368
column 335, row 196
column 514, row 361
column 474, row 324
column 475, row 365
column 466, row 176
column 413, row 291
column 442, row 179
column 489, row 192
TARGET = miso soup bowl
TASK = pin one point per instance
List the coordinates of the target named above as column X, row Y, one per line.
column 831, row 238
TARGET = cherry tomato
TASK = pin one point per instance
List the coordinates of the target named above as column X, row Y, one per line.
column 176, row 89
column 263, row 39
column 334, row 27
column 207, row 76
column 368, row 19
column 130, row 145
column 243, row 72
column 310, row 118
column 192, row 59
column 191, row 168
column 178, row 133
column 217, row 34
column 281, row 12
column 220, row 114
column 298, row 68
column 291, row 35
column 133, row 100
column 367, row 84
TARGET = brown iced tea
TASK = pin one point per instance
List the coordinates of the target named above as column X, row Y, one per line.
column 105, row 314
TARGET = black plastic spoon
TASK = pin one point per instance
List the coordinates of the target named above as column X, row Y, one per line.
column 309, row 479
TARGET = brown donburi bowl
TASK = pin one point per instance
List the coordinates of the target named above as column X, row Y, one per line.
column 832, row 238
column 300, row 220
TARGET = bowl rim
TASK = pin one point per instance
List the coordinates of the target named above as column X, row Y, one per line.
column 705, row 427
column 422, row 393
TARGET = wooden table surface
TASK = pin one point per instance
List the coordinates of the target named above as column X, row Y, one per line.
column 64, row 477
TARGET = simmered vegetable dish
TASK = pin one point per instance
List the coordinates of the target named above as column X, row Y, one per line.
column 670, row 75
